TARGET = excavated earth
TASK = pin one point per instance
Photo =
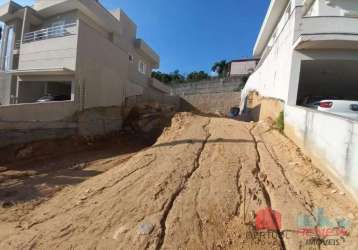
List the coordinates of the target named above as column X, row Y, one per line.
column 199, row 186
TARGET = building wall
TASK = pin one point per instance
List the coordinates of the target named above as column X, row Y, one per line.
column 133, row 89
column 127, row 42
column 272, row 75
column 5, row 88
column 57, row 52
column 42, row 4
column 93, row 25
column 242, row 68
column 334, row 147
column 334, row 8
column 67, row 18
column 102, row 69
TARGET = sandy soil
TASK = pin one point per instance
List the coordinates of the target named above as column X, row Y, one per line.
column 199, row 186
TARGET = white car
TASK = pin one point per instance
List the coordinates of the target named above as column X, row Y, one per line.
column 340, row 107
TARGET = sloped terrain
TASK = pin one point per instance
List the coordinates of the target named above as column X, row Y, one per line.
column 199, row 186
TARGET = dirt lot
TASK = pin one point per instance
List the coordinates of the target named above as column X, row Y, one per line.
column 200, row 186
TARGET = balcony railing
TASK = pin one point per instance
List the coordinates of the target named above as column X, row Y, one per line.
column 337, row 25
column 17, row 44
column 52, row 32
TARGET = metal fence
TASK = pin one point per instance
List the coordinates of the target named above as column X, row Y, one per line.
column 51, row 32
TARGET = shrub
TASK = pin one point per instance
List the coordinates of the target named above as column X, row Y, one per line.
column 280, row 122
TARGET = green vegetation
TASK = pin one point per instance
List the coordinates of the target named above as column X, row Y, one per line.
column 175, row 77
column 280, row 122
column 221, row 68
column 197, row 76
column 168, row 78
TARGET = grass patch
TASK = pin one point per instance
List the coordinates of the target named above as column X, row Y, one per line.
column 280, row 122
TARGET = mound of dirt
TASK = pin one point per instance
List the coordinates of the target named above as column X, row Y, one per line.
column 200, row 186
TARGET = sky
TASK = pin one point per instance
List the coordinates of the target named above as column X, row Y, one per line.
column 190, row 35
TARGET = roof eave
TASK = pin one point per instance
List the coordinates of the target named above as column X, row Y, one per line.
column 272, row 17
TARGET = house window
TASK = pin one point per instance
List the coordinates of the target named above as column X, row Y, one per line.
column 131, row 59
column 142, row 67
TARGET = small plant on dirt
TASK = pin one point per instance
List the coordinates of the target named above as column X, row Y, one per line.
column 280, row 122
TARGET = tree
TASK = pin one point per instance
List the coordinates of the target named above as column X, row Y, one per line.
column 197, row 76
column 221, row 68
column 174, row 77
column 177, row 77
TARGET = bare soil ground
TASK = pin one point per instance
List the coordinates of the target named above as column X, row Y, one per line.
column 198, row 187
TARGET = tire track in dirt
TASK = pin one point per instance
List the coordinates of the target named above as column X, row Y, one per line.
column 176, row 194
column 263, row 186
column 199, row 187
column 300, row 198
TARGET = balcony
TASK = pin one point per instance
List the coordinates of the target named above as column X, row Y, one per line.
column 52, row 32
column 327, row 32
column 49, row 48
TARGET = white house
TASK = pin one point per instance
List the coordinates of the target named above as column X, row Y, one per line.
column 242, row 67
column 308, row 48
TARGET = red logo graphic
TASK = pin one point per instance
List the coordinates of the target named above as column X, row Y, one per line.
column 268, row 219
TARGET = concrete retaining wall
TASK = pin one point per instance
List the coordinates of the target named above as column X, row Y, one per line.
column 5, row 88
column 210, row 103
column 333, row 147
column 11, row 134
column 206, row 87
column 100, row 121
column 153, row 96
column 260, row 108
column 52, row 111
column 34, row 122
column 160, row 86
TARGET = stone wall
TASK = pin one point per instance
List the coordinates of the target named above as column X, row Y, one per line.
column 210, row 103
column 207, row 87
column 153, row 96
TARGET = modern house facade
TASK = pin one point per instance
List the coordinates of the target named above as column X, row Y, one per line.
column 301, row 37
column 76, row 49
column 310, row 48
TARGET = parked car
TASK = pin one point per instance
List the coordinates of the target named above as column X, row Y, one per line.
column 314, row 101
column 53, row 98
column 344, row 108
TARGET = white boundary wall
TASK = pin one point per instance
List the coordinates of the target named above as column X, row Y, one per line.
column 50, row 111
column 331, row 141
